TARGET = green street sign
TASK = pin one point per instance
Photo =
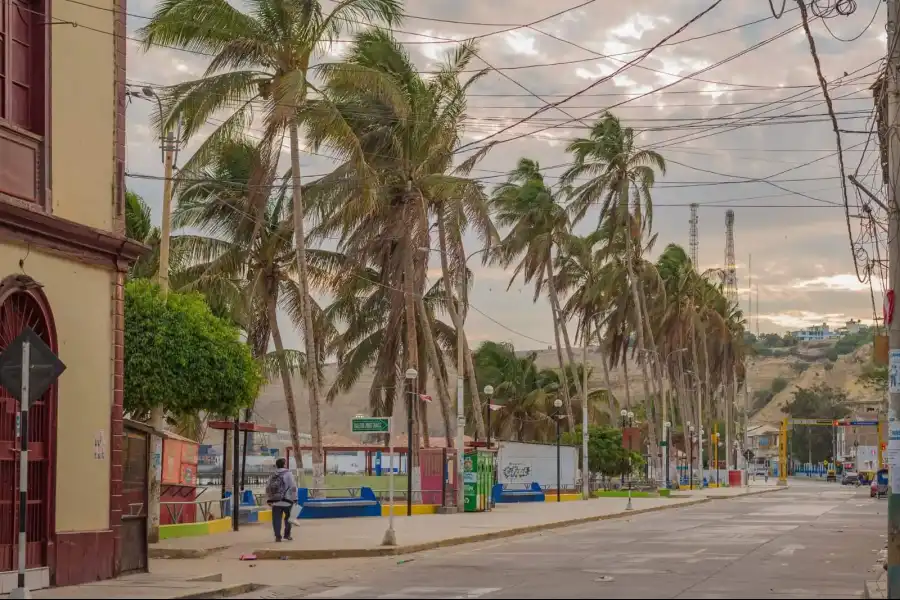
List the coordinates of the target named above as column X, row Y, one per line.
column 664, row 443
column 371, row 425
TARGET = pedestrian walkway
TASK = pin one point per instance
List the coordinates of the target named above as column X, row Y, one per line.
column 332, row 538
column 150, row 585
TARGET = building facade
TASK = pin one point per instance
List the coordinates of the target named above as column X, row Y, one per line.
column 63, row 261
column 815, row 333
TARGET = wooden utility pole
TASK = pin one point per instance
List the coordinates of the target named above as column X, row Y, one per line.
column 891, row 122
column 157, row 416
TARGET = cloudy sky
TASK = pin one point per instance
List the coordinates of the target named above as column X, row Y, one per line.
column 733, row 63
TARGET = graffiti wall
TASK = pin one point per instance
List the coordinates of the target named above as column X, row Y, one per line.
column 519, row 464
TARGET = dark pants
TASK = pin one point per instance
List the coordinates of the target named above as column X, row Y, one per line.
column 280, row 513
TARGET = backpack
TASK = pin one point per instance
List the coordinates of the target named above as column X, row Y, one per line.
column 276, row 488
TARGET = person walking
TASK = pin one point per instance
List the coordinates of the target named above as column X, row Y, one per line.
column 281, row 494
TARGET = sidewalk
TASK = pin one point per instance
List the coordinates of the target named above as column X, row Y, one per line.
column 755, row 487
column 150, row 585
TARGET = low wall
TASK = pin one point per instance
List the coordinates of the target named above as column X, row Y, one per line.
column 181, row 530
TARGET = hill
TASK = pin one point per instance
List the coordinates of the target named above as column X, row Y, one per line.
column 802, row 366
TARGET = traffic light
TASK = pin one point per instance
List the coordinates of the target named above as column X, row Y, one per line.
column 883, row 446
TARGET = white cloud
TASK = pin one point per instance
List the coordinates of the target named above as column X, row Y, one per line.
column 521, row 43
column 840, row 282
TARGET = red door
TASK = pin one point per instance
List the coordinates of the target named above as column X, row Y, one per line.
column 19, row 309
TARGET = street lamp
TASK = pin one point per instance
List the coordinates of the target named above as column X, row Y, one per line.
column 411, row 376
column 557, row 404
column 691, row 456
column 734, row 454
column 489, row 391
column 700, row 435
column 667, row 434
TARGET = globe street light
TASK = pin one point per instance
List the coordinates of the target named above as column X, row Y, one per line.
column 489, row 391
column 556, row 415
column 411, row 376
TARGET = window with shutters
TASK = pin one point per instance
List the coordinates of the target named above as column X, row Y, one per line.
column 23, row 87
column 21, row 64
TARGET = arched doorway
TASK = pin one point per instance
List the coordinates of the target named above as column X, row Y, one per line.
column 23, row 304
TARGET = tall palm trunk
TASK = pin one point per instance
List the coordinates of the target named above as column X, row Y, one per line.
column 288, row 386
column 431, row 349
column 635, row 296
column 456, row 318
column 627, row 382
column 564, row 380
column 554, row 301
column 309, row 335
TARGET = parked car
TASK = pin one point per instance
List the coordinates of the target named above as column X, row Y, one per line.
column 850, row 478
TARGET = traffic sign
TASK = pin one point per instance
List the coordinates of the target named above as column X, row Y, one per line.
column 812, row 422
column 44, row 366
column 371, row 425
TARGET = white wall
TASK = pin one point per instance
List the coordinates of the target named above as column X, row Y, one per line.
column 518, row 464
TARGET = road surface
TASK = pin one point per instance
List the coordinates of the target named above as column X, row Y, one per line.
column 813, row 540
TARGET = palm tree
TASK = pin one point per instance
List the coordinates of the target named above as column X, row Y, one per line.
column 138, row 227
column 408, row 128
column 538, row 226
column 621, row 176
column 249, row 275
column 263, row 56
column 524, row 391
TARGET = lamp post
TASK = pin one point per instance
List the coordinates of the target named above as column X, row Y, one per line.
column 700, row 435
column 411, row 376
column 488, row 391
column 667, row 435
column 691, row 456
column 734, row 454
column 557, row 404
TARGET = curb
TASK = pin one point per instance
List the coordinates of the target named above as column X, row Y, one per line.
column 225, row 591
column 178, row 553
column 268, row 554
column 758, row 493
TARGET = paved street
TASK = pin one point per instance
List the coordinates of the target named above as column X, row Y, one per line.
column 812, row 540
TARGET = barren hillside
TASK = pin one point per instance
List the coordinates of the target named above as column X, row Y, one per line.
column 762, row 371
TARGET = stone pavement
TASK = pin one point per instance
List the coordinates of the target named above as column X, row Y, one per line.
column 361, row 537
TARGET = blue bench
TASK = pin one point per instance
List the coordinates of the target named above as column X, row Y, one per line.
column 500, row 494
column 248, row 511
column 366, row 505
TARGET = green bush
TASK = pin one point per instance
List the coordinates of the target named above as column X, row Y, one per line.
column 180, row 355
column 832, row 354
column 778, row 384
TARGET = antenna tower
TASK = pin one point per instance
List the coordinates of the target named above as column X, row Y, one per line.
column 730, row 268
column 695, row 244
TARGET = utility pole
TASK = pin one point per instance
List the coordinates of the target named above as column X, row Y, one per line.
column 893, row 105
column 460, row 405
column 585, row 471
column 170, row 149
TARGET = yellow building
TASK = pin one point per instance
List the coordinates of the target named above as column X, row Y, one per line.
column 63, row 260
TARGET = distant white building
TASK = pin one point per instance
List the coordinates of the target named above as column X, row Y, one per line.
column 816, row 333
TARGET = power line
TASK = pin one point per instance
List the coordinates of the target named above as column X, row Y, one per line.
column 602, row 79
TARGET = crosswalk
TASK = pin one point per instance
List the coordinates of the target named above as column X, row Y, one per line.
column 422, row 593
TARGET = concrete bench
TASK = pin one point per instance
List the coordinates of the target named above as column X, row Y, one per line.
column 366, row 505
column 500, row 494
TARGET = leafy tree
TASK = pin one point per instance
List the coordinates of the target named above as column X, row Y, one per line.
column 832, row 354
column 817, row 402
column 178, row 353
column 606, row 456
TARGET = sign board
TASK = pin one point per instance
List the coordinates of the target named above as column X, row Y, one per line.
column 894, row 372
column 521, row 463
column 44, row 369
column 371, row 425
column 828, row 422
